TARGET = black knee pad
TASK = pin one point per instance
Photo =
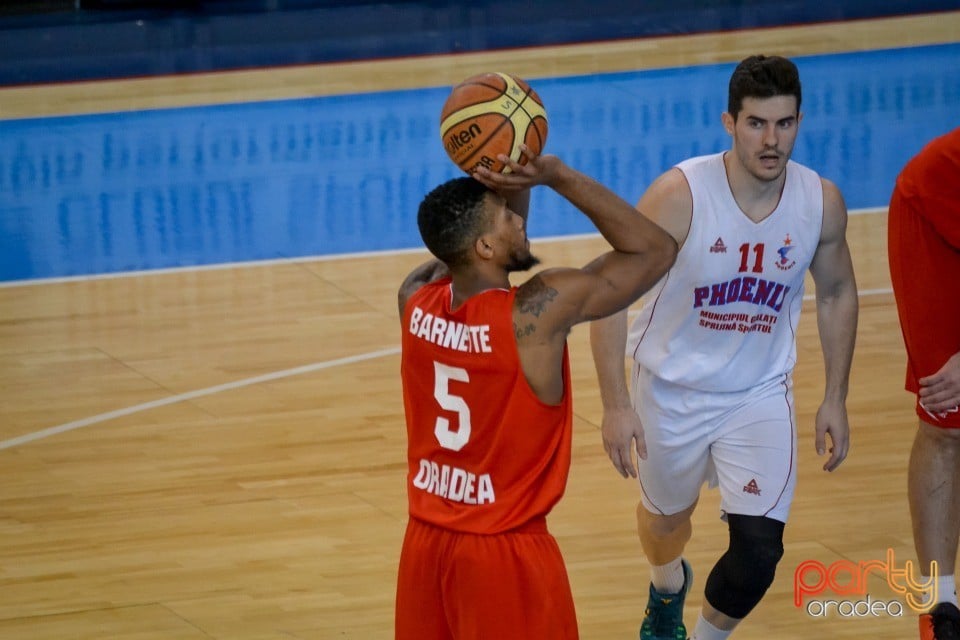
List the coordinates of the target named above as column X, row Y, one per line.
column 745, row 572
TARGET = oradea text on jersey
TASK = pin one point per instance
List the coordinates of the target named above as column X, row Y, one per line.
column 454, row 483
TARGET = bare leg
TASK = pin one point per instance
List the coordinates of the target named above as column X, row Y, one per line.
column 933, row 485
column 663, row 538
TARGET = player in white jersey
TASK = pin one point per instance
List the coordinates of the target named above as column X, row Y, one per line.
column 714, row 348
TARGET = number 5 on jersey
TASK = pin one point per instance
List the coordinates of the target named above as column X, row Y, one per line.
column 449, row 439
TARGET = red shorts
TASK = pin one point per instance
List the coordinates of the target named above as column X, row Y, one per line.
column 465, row 586
column 924, row 270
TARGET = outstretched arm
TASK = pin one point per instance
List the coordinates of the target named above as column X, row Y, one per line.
column 554, row 300
column 837, row 311
column 642, row 251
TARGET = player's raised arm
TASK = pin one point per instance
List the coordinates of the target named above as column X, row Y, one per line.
column 642, row 251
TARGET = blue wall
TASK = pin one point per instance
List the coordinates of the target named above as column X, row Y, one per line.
column 320, row 176
column 109, row 193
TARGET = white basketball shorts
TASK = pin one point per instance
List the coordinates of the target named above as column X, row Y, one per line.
column 744, row 441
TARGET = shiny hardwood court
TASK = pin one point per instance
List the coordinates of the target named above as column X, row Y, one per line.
column 219, row 453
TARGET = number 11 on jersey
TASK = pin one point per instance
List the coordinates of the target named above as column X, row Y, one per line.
column 745, row 255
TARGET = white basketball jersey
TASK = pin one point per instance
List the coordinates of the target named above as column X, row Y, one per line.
column 724, row 318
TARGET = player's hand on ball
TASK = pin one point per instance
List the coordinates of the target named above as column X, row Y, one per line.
column 537, row 170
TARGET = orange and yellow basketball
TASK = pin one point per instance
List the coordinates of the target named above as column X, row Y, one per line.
column 490, row 114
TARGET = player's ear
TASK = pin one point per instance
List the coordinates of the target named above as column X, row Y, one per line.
column 484, row 247
column 728, row 122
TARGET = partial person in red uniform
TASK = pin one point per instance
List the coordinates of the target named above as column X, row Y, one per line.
column 486, row 390
column 924, row 253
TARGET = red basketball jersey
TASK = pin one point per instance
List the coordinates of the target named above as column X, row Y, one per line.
column 485, row 455
column 923, row 238
column 930, row 177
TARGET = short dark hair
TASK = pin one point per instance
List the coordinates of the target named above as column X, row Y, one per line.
column 762, row 77
column 451, row 217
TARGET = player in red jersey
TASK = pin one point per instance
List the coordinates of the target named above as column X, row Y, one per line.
column 486, row 389
column 924, row 252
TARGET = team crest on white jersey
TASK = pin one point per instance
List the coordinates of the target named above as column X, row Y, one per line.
column 718, row 246
column 785, row 262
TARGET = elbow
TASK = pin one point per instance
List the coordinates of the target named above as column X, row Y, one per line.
column 666, row 254
column 674, row 251
column 843, row 295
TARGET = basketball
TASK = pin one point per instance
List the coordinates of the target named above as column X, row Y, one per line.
column 491, row 114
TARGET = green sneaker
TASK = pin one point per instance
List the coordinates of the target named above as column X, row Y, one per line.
column 663, row 619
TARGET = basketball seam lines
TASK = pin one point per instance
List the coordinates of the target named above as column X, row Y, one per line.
column 508, row 119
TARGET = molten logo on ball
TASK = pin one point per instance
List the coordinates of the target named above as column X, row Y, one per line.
column 459, row 140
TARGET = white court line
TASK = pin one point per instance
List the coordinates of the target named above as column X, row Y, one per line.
column 110, row 415
column 229, row 386
column 323, row 258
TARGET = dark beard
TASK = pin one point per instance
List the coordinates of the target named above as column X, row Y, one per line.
column 522, row 263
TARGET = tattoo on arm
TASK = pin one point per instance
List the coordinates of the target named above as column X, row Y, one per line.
column 523, row 331
column 534, row 296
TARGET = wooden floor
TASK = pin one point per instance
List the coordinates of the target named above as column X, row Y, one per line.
column 225, row 454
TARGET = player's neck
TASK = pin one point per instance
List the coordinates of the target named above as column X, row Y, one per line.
column 469, row 282
column 757, row 198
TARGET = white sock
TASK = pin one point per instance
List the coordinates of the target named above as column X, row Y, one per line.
column 706, row 631
column 947, row 590
column 667, row 578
